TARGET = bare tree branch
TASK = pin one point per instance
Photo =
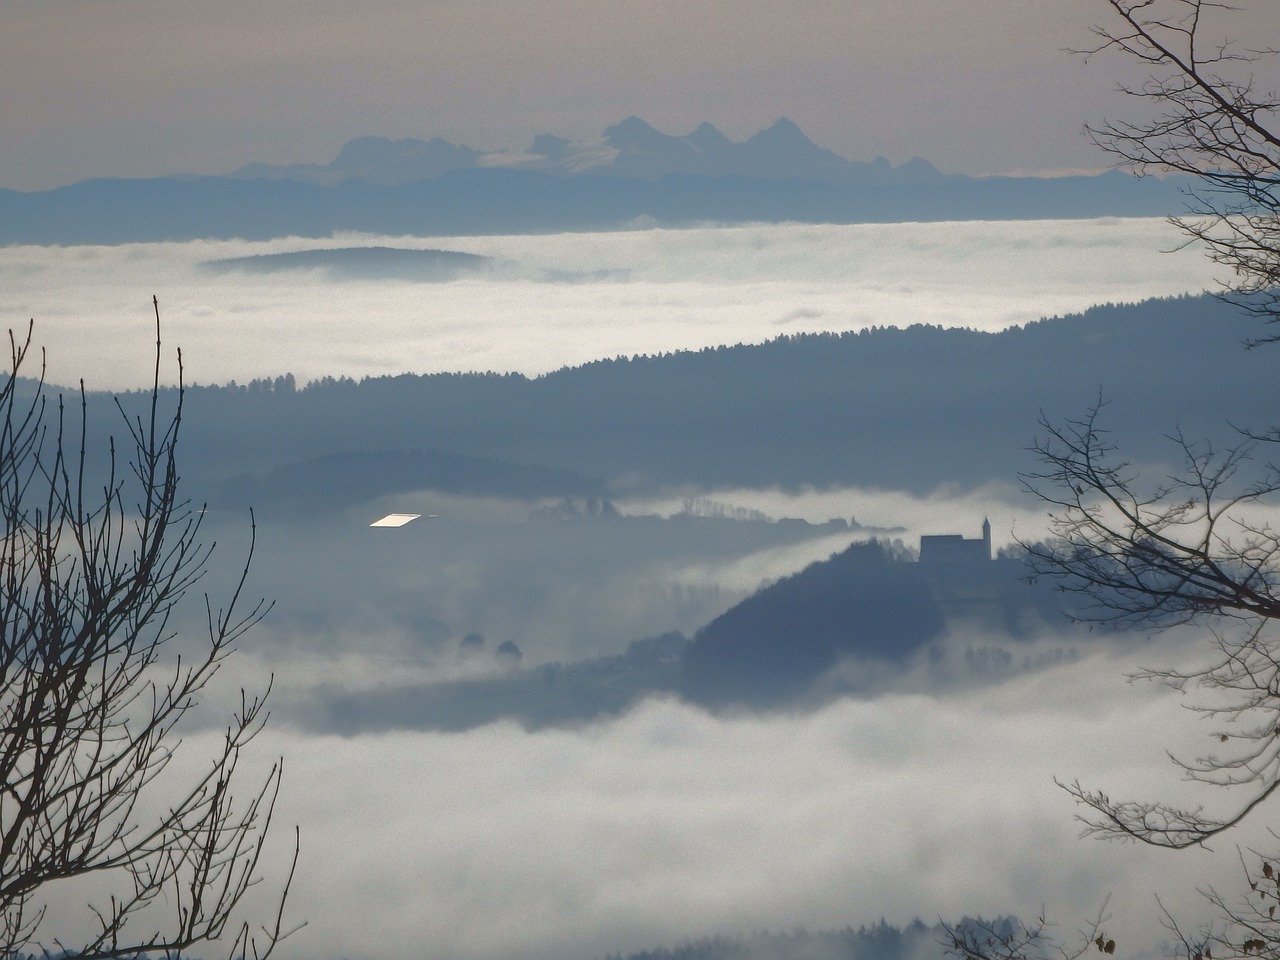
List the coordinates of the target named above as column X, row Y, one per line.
column 1205, row 117
column 90, row 703
column 1194, row 547
column 1182, row 550
column 1015, row 940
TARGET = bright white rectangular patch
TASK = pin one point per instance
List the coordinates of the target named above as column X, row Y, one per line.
column 395, row 519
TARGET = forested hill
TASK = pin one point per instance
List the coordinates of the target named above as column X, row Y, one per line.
column 880, row 941
column 771, row 648
column 870, row 605
column 900, row 408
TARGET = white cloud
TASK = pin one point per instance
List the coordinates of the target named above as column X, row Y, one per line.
column 887, row 514
column 687, row 289
column 670, row 823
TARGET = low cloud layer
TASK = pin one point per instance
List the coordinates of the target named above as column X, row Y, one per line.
column 561, row 590
column 684, row 289
column 670, row 824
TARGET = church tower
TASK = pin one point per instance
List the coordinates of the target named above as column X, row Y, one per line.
column 986, row 536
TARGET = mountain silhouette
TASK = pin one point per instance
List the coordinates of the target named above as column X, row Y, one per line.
column 708, row 140
column 783, row 150
column 630, row 148
column 373, row 160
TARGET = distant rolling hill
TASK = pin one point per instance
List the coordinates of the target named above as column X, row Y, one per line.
column 869, row 606
column 364, row 263
column 771, row 648
column 905, row 409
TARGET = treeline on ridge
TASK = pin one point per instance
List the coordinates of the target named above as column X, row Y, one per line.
column 880, row 941
column 905, row 408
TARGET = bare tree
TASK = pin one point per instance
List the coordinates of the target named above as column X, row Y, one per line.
column 1203, row 115
column 91, row 700
column 1196, row 546
column 1191, row 546
column 1014, row 940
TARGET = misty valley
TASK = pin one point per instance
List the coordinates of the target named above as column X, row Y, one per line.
column 606, row 533
column 713, row 619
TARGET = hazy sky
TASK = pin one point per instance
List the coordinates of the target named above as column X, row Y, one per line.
column 140, row 88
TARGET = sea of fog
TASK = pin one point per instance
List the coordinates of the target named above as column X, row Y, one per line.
column 668, row 823
column 567, row 299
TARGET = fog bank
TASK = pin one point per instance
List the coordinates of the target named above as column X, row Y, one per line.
column 570, row 298
column 669, row 823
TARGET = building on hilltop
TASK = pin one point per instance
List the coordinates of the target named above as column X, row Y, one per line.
column 954, row 548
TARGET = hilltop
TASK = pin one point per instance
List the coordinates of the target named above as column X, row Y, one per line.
column 897, row 408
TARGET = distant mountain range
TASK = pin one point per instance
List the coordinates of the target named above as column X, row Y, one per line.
column 633, row 175
column 631, row 148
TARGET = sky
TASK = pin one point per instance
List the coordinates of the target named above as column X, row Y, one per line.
column 138, row 88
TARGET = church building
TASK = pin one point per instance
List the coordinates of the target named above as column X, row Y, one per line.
column 954, row 548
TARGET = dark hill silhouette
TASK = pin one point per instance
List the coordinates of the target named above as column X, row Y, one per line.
column 902, row 409
column 873, row 605
column 364, row 263
column 880, row 941
column 771, row 648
